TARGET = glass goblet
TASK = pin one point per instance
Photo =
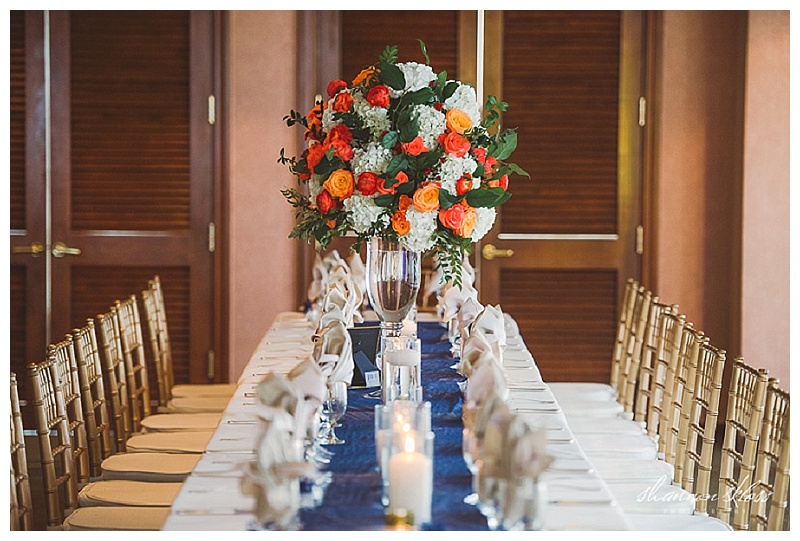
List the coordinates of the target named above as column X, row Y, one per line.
column 333, row 408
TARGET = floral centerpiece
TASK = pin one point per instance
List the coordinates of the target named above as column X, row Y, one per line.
column 402, row 152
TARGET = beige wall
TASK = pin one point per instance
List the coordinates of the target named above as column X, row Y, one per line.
column 698, row 171
column 261, row 90
column 765, row 252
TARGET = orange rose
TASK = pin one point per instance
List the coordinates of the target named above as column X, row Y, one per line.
column 400, row 224
column 415, row 147
column 325, row 202
column 501, row 182
column 340, row 184
column 403, row 203
column 426, row 198
column 343, row 102
column 315, row 153
column 453, row 217
column 468, row 225
column 378, row 96
column 335, row 86
column 457, row 121
column 455, row 144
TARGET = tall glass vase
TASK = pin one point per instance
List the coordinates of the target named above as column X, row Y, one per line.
column 393, row 277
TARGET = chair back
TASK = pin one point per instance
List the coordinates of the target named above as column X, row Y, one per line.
column 624, row 330
column 55, row 452
column 746, row 404
column 130, row 332
column 68, row 386
column 21, row 500
column 161, row 311
column 667, row 362
column 116, row 377
column 93, row 396
column 157, row 340
column 629, row 367
column 675, row 422
column 771, row 491
column 708, row 363
column 647, row 361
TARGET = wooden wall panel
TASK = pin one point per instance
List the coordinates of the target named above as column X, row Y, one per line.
column 561, row 81
column 18, row 316
column 130, row 131
column 94, row 290
column 568, row 319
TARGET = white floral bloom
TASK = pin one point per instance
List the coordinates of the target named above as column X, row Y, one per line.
column 327, row 117
column 431, row 124
column 453, row 169
column 417, row 76
column 423, row 226
column 483, row 223
column 465, row 99
column 375, row 118
column 315, row 186
column 362, row 212
column 373, row 158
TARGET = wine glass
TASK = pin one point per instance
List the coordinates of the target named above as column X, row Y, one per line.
column 471, row 452
column 333, row 408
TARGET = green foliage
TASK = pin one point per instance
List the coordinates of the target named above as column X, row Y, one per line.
column 424, row 51
column 295, row 118
column 392, row 75
column 487, row 197
column 389, row 54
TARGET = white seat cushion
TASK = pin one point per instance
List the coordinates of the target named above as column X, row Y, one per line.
column 173, row 422
column 170, row 442
column 207, row 404
column 117, row 518
column 582, row 391
column 203, row 390
column 128, row 493
column 151, row 467
column 612, row 425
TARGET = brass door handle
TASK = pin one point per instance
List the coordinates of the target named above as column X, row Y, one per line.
column 60, row 250
column 34, row 249
column 490, row 251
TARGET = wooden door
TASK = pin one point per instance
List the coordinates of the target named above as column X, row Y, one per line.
column 130, row 190
column 572, row 80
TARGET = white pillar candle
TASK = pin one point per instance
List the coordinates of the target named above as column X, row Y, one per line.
column 411, row 482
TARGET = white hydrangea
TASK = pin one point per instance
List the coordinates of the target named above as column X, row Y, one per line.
column 363, row 212
column 315, row 186
column 376, row 118
column 431, row 124
column 417, row 76
column 483, row 222
column 423, row 225
column 327, row 117
column 465, row 99
column 453, row 169
column 374, row 158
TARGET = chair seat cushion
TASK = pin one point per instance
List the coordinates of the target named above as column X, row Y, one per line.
column 622, row 470
column 204, row 390
column 170, row 442
column 639, row 446
column 179, row 422
column 128, row 493
column 207, row 404
column 117, row 518
column 582, row 391
column 151, row 467
column 649, row 522
column 612, row 425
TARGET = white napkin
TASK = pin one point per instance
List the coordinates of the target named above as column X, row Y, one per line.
column 467, row 314
column 275, row 391
column 487, row 379
column 310, row 381
column 436, row 282
column 491, row 323
column 358, row 272
column 348, row 296
column 319, row 280
column 467, row 271
column 475, row 350
column 452, row 300
column 333, row 352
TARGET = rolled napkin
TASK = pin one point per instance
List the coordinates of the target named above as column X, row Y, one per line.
column 491, row 323
column 335, row 303
column 310, row 381
column 351, row 297
column 467, row 271
column 359, row 274
column 332, row 259
column 476, row 349
column 452, row 300
column 487, row 379
column 319, row 281
column 333, row 352
column 275, row 391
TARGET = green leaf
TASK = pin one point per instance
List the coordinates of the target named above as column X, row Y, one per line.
column 389, row 54
column 399, row 163
column 449, row 89
column 390, row 139
column 517, row 169
column 446, row 199
column 487, row 197
column 384, row 200
column 424, row 50
column 392, row 76
column 408, row 124
column 423, row 95
column 406, row 188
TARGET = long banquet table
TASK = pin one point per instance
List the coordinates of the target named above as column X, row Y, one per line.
column 212, row 497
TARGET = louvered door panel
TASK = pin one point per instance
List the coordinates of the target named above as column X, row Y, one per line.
column 568, row 319
column 17, row 120
column 561, row 81
column 366, row 33
column 130, row 128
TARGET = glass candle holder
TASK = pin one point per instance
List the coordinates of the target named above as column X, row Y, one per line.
column 390, row 421
column 402, row 375
column 410, row 472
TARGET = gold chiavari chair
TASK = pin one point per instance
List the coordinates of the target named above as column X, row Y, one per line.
column 643, row 391
column 162, row 363
column 667, row 363
column 21, row 498
column 771, row 491
column 132, row 345
column 116, row 378
column 68, row 504
column 746, row 403
column 68, row 386
column 156, row 311
column 93, row 396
